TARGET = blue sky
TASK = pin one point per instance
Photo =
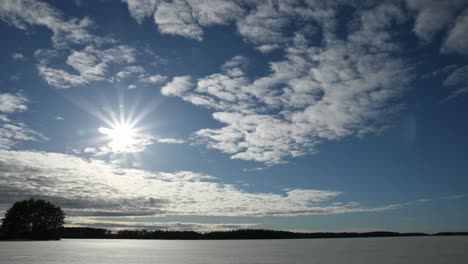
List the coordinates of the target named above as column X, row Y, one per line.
column 214, row 115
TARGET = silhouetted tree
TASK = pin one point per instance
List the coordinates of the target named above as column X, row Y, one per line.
column 33, row 219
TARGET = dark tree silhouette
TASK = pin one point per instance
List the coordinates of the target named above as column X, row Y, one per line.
column 33, row 219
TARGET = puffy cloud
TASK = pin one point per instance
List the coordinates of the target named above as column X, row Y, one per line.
column 91, row 64
column 25, row 13
column 176, row 18
column 96, row 188
column 344, row 87
column 215, row 12
column 266, row 23
column 178, row 86
column 139, row 9
column 10, row 103
column 185, row 17
column 11, row 131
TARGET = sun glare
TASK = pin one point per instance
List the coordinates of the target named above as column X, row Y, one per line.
column 122, row 136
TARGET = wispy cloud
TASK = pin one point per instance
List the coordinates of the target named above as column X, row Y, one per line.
column 458, row 196
column 457, row 80
column 171, row 140
column 12, row 131
column 175, row 226
column 92, row 187
column 18, row 56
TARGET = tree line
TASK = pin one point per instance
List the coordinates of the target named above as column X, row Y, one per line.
column 41, row 220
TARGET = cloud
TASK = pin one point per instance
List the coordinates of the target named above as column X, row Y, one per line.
column 442, row 17
column 90, row 57
column 18, row 56
column 432, row 16
column 185, row 18
column 178, row 86
column 457, row 40
column 11, row 131
column 345, row 86
column 215, row 12
column 90, row 64
column 129, row 71
column 25, row 13
column 96, row 188
column 458, row 196
column 152, row 79
column 59, row 118
column 265, row 25
column 458, row 81
column 171, row 226
column 139, row 9
column 171, row 140
column 10, row 103
column 176, row 18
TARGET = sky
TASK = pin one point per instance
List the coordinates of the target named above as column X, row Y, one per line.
column 217, row 115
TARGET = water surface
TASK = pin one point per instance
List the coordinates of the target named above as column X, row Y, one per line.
column 351, row 250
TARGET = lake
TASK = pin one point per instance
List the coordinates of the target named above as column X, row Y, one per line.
column 352, row 250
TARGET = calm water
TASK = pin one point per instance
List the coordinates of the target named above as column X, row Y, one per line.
column 357, row 250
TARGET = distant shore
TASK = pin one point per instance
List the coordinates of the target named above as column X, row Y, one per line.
column 86, row 232
column 102, row 233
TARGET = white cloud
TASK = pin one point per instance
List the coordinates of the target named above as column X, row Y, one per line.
column 171, row 140
column 344, row 87
column 10, row 103
column 172, row 226
column 59, row 118
column 139, row 9
column 178, row 86
column 132, row 86
column 92, row 187
column 90, row 64
column 261, row 22
column 11, row 131
column 185, row 18
column 25, row 13
column 176, row 18
column 265, row 24
column 18, row 56
column 129, row 71
column 215, row 12
column 152, row 79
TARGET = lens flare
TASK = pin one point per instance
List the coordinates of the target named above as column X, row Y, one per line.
column 123, row 137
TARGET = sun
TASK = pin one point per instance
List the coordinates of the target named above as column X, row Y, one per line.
column 123, row 137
